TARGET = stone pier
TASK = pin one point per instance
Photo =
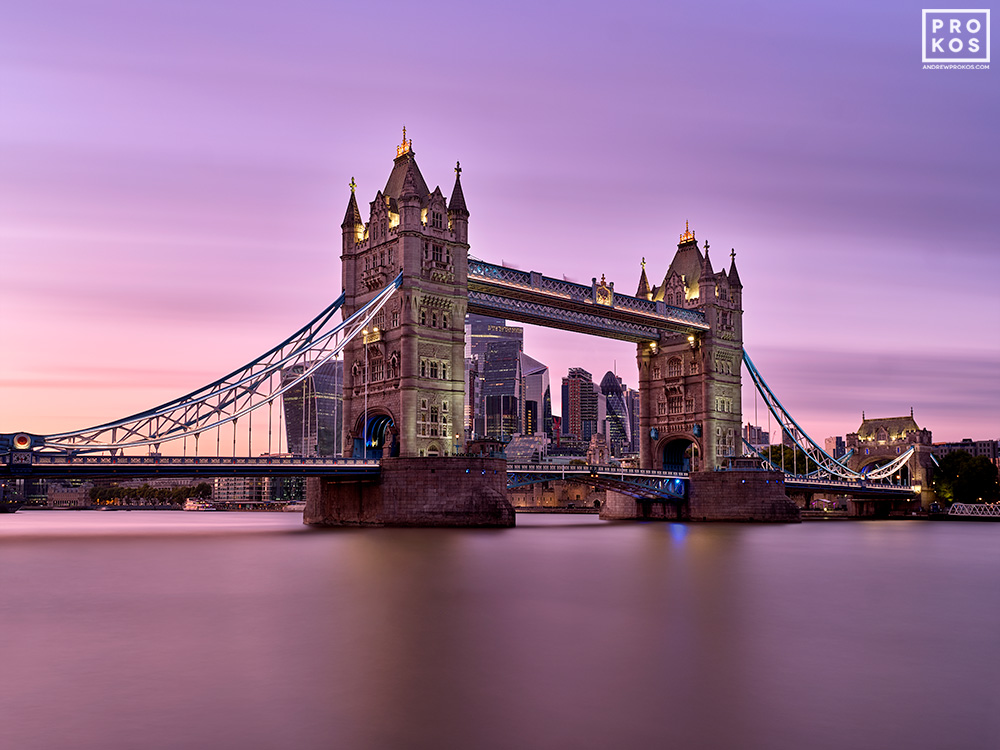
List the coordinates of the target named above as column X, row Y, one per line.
column 739, row 494
column 439, row 491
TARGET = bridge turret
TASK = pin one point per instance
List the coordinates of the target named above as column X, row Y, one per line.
column 353, row 227
column 458, row 214
column 690, row 410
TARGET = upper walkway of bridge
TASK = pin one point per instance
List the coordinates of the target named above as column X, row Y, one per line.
column 529, row 297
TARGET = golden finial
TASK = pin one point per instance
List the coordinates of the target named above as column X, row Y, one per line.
column 602, row 280
column 643, row 264
column 406, row 146
column 458, row 169
column 352, row 185
column 688, row 234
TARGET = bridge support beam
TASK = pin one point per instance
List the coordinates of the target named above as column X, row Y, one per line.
column 444, row 491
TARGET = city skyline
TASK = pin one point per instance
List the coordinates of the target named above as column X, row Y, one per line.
column 175, row 176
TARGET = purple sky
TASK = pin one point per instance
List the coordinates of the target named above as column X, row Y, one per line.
column 173, row 176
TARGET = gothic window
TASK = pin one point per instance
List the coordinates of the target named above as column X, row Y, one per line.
column 434, row 320
column 447, row 255
column 674, row 404
column 436, row 220
column 434, row 369
column 674, row 368
column 437, row 251
column 434, row 421
column 694, row 365
column 444, row 320
column 444, row 406
column 661, row 408
column 395, row 318
column 689, row 405
column 444, row 371
column 423, row 369
column 656, row 372
column 423, row 317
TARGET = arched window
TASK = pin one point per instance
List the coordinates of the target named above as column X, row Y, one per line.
column 434, row 320
column 423, row 317
column 674, row 368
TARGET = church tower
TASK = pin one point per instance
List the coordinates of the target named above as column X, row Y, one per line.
column 403, row 378
column 690, row 412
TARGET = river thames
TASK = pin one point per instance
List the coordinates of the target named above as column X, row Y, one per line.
column 247, row 630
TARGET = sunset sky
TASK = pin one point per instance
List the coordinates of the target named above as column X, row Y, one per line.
column 173, row 176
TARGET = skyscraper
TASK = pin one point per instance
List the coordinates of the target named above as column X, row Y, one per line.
column 580, row 411
column 537, row 397
column 496, row 403
column 619, row 426
column 314, row 410
column 502, row 388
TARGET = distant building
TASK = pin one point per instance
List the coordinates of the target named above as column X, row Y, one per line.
column 757, row 437
column 618, row 422
column 502, row 388
column 494, row 398
column 580, row 410
column 537, row 397
column 314, row 410
column 241, row 489
column 598, row 452
column 986, row 448
column 835, row 446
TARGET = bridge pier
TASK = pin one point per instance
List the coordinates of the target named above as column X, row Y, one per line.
column 739, row 494
column 443, row 491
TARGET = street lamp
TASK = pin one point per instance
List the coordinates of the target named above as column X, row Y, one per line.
column 364, row 429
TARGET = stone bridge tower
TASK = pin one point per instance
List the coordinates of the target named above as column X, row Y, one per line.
column 409, row 367
column 690, row 412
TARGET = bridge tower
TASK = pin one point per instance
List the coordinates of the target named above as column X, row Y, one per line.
column 404, row 378
column 690, row 410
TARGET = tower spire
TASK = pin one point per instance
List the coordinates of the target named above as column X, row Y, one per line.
column 406, row 147
column 457, row 202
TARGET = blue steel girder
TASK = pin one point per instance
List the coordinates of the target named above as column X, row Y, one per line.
column 637, row 483
column 61, row 465
column 529, row 297
column 255, row 386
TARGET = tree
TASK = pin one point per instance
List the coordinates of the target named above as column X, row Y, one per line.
column 963, row 478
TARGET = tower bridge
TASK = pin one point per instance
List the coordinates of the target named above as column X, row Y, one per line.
column 408, row 282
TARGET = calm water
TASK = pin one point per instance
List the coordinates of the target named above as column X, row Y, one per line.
column 228, row 630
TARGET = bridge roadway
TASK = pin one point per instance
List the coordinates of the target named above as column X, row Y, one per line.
column 640, row 483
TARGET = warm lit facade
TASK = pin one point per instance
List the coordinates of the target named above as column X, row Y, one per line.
column 690, row 409
column 414, row 364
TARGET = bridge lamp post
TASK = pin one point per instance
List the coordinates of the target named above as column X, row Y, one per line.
column 364, row 429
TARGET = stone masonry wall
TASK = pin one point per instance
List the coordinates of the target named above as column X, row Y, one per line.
column 445, row 491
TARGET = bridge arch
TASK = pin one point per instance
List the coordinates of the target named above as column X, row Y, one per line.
column 678, row 453
column 381, row 434
column 902, row 476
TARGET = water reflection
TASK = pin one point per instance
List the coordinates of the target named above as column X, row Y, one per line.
column 244, row 630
